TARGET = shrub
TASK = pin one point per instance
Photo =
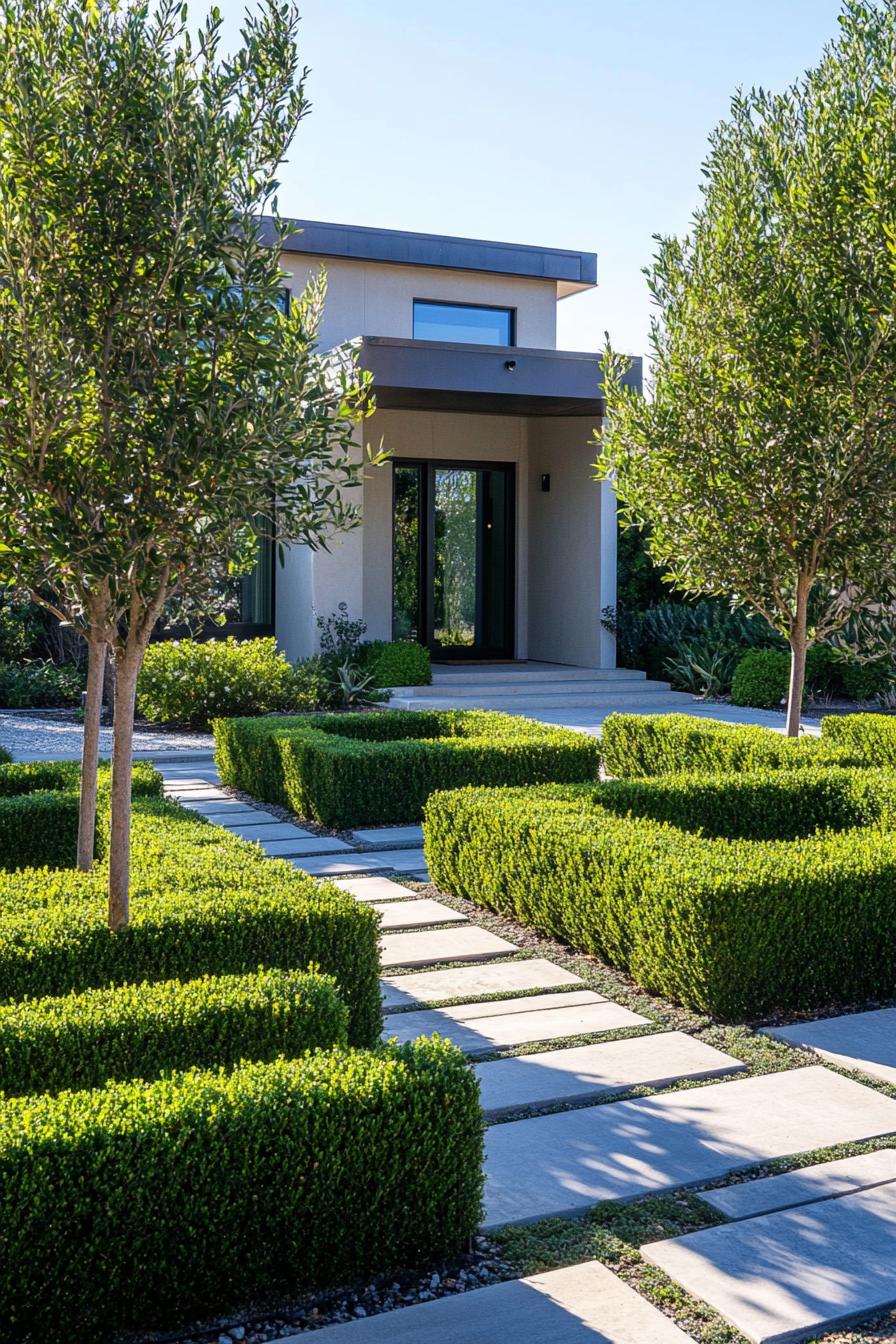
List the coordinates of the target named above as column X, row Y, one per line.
column 39, row 811
column 349, row 769
column 865, row 681
column 5, row 756
column 869, row 738
column 84, row 1040
column 761, row 679
column 664, row 744
column 190, row 681
column 728, row 925
column 157, row 1202
column 31, row 685
column 400, row 663
column 203, row 903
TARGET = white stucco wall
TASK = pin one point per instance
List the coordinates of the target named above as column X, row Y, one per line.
column 373, row 299
column 568, row 581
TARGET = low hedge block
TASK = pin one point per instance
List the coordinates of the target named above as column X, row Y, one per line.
column 29, row 776
column 202, row 903
column 84, row 1040
column 39, row 829
column 143, row 1205
column 663, row 744
column 733, row 926
column 869, row 738
column 350, row 769
column 39, row 807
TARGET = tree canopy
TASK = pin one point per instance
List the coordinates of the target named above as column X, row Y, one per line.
column 763, row 458
column 162, row 397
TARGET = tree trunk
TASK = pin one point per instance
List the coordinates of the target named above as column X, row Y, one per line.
column 798, row 646
column 90, row 751
column 127, row 665
column 109, row 684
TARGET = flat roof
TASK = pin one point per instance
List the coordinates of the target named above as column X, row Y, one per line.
column 501, row 379
column 571, row 271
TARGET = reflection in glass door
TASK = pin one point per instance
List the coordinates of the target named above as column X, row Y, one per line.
column 455, row 575
column 453, row 557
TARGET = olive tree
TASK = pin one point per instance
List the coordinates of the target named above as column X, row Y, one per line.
column 161, row 406
column 763, row 459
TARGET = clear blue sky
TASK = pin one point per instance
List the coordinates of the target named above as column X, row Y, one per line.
column 572, row 123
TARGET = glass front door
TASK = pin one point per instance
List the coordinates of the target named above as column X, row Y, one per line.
column 452, row 574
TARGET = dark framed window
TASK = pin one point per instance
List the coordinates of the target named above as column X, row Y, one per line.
column 464, row 323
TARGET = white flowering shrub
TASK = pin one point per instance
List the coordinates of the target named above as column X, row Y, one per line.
column 191, row 682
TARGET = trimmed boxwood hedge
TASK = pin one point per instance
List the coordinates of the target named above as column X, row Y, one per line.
column 726, row 924
column 870, row 738
column 350, row 769
column 40, row 828
column 84, row 1040
column 29, row 776
column 202, row 903
column 663, row 744
column 144, row 1204
column 39, row 811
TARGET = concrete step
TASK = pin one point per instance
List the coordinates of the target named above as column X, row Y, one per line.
column 545, row 686
column 534, row 672
column 621, row 702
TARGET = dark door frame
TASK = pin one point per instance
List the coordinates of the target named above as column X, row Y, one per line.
column 425, row 556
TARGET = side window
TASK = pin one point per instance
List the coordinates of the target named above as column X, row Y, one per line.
column 463, row 323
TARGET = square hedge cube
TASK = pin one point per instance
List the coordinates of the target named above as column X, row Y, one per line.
column 734, row 895
column 348, row 770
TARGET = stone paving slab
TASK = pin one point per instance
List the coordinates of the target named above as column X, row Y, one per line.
column 208, row 793
column 863, row 1041
column 583, row 1304
column 562, row 1164
column 502, row 1029
column 270, row 830
column 402, row 860
column 825, row 1180
column 466, row 982
column 185, row 782
column 337, row 865
column 242, row 817
column 426, row 949
column 527, row 1003
column 390, row 835
column 595, row 1070
column 373, row 888
column 217, row 807
column 790, row 1275
column 299, row 844
column 421, row 914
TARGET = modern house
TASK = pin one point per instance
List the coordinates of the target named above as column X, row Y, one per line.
column 485, row 536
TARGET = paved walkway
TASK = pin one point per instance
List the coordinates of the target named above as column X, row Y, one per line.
column 800, row 1253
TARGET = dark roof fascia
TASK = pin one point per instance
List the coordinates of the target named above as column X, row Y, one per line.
column 570, row 269
column 430, row 375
